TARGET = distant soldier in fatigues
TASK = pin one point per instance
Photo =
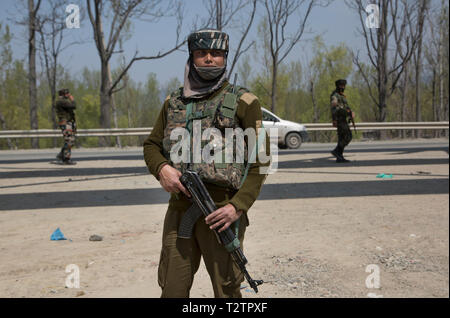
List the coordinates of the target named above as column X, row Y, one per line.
column 341, row 114
column 65, row 106
column 207, row 97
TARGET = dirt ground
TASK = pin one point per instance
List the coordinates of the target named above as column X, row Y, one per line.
column 315, row 230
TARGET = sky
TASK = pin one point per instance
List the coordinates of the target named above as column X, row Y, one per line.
column 335, row 23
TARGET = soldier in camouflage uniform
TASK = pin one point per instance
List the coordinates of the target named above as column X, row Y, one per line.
column 206, row 100
column 341, row 114
column 65, row 106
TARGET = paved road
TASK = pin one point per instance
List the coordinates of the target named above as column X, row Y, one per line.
column 28, row 181
column 42, row 155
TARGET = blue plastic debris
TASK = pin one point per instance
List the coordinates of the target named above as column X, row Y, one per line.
column 384, row 176
column 57, row 235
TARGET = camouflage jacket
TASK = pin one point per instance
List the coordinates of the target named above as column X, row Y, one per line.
column 248, row 114
column 339, row 107
column 65, row 109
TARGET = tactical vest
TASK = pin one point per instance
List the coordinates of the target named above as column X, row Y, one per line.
column 216, row 112
column 341, row 110
column 62, row 112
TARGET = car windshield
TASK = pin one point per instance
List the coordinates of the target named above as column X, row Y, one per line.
column 268, row 117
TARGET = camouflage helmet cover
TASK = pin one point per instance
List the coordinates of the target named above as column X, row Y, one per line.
column 208, row 39
column 340, row 82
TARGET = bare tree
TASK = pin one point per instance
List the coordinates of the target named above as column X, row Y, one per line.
column 421, row 12
column 444, row 59
column 436, row 53
column 122, row 12
column 222, row 13
column 389, row 64
column 50, row 26
column 32, row 89
column 5, row 60
column 278, row 14
column 403, row 87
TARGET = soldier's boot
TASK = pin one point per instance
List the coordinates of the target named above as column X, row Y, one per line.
column 340, row 158
column 338, row 154
column 69, row 162
column 335, row 153
column 66, row 157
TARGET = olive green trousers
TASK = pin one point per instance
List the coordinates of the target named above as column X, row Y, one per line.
column 180, row 258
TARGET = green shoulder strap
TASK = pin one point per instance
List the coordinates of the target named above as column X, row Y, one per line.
column 189, row 108
column 229, row 105
column 188, row 116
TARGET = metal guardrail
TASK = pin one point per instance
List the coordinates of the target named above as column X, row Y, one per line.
column 43, row 133
column 384, row 126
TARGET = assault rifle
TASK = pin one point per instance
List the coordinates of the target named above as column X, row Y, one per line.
column 203, row 204
column 351, row 118
column 353, row 122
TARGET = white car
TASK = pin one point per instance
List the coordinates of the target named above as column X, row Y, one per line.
column 290, row 134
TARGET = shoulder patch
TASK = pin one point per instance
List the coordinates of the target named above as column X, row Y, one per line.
column 248, row 98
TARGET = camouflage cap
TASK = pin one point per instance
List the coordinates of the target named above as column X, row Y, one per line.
column 208, row 39
column 340, row 82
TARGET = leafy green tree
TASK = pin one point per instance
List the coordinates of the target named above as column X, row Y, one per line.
column 151, row 103
column 14, row 100
column 5, row 61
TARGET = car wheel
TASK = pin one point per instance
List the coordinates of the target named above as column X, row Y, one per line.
column 293, row 140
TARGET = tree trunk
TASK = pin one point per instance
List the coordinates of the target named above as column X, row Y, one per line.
column 316, row 111
column 418, row 107
column 442, row 109
column 114, row 108
column 403, row 94
column 382, row 92
column 4, row 127
column 116, row 124
column 54, row 123
column 32, row 90
column 219, row 15
column 52, row 81
column 418, row 73
column 105, row 102
column 433, row 102
column 274, row 86
column 382, row 39
column 127, row 100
